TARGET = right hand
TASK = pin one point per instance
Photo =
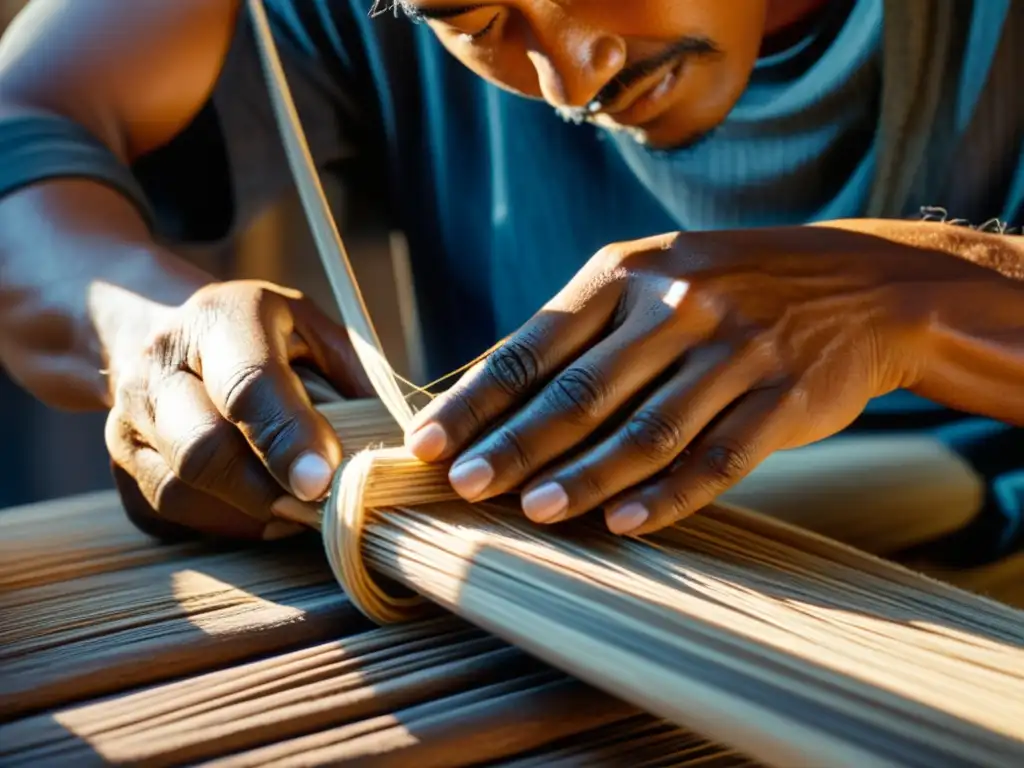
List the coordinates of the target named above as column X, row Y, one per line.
column 211, row 425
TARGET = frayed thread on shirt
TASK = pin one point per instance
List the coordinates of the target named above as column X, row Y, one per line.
column 380, row 7
column 992, row 226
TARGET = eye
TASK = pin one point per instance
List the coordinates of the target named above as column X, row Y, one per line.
column 484, row 30
column 474, row 25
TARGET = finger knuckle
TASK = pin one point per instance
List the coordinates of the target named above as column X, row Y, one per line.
column 515, row 367
column 609, row 257
column 578, row 393
column 205, row 456
column 274, row 435
column 119, row 433
column 792, row 400
column 242, row 392
column 725, row 462
column 591, row 487
column 166, row 348
column 240, row 301
column 613, row 257
column 679, row 502
column 164, row 492
column 512, row 449
column 655, row 434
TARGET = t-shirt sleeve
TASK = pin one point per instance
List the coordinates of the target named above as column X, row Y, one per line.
column 229, row 164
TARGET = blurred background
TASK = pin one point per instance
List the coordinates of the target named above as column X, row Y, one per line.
column 47, row 454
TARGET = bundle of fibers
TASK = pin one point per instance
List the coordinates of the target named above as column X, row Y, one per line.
column 880, row 494
column 1002, row 580
column 640, row 742
column 134, row 612
column 789, row 647
column 104, row 632
column 46, row 542
column 785, row 645
column 434, row 693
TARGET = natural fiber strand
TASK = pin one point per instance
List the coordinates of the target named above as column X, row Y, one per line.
column 152, row 629
column 328, row 241
column 641, row 742
column 750, row 640
column 1002, row 580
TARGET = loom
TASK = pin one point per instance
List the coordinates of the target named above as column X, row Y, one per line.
column 735, row 638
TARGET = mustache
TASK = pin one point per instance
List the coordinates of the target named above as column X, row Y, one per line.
column 685, row 48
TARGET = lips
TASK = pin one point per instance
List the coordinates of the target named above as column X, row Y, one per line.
column 646, row 100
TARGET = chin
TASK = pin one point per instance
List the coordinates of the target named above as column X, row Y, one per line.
column 670, row 141
column 660, row 135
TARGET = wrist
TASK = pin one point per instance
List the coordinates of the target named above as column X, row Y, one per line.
column 82, row 284
column 122, row 313
column 975, row 343
column 967, row 319
column 67, row 345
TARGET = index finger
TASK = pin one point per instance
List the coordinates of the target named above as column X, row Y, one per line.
column 509, row 375
column 246, row 368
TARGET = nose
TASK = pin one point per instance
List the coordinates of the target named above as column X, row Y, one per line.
column 573, row 65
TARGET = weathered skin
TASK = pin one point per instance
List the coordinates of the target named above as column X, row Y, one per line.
column 210, row 422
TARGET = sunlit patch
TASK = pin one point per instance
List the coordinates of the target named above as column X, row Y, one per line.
column 219, row 608
column 675, row 294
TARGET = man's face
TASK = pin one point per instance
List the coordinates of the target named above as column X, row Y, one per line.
column 667, row 71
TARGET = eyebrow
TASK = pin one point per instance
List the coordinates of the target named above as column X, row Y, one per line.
column 436, row 12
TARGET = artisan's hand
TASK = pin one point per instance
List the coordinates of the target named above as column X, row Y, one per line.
column 670, row 367
column 209, row 418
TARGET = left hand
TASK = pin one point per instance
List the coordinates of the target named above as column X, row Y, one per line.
column 670, row 367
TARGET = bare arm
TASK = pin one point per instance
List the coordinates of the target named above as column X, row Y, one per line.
column 134, row 73
column 209, row 424
column 80, row 273
column 975, row 328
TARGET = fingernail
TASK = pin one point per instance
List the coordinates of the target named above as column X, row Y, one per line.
column 470, row 478
column 281, row 529
column 310, row 476
column 427, row 443
column 545, row 503
column 627, row 518
column 290, row 508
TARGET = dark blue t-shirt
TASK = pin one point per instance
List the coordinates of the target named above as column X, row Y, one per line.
column 501, row 201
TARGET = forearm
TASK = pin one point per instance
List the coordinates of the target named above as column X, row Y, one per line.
column 975, row 325
column 79, row 274
column 1003, row 253
column 80, row 278
column 976, row 349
